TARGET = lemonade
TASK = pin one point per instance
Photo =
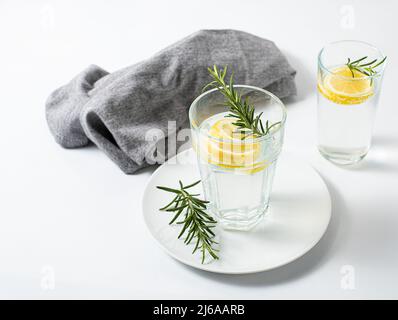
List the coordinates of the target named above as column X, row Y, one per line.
column 346, row 107
column 347, row 99
column 236, row 173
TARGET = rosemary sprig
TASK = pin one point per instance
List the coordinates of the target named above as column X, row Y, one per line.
column 196, row 222
column 241, row 110
column 367, row 68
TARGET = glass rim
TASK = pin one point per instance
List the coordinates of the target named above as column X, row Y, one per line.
column 250, row 140
column 323, row 67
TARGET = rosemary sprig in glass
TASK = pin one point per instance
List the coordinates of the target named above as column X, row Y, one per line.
column 241, row 110
column 367, row 68
column 197, row 224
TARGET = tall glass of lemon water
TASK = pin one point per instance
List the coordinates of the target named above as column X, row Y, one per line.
column 237, row 174
column 347, row 100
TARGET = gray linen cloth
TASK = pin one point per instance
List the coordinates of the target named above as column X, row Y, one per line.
column 116, row 110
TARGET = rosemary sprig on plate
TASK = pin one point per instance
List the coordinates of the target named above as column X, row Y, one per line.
column 243, row 112
column 197, row 224
column 367, row 68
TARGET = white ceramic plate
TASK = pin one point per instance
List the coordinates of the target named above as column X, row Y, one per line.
column 299, row 214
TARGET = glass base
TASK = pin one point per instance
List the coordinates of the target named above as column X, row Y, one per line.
column 243, row 221
column 343, row 158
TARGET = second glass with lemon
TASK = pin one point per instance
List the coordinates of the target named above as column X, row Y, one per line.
column 349, row 81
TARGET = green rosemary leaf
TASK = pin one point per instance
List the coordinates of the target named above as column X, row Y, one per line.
column 359, row 60
column 382, row 61
column 168, row 205
column 368, row 64
column 176, row 216
column 192, row 185
column 168, row 189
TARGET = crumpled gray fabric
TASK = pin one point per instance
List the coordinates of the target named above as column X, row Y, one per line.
column 116, row 110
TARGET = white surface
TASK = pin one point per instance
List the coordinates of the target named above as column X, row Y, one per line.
column 297, row 218
column 71, row 216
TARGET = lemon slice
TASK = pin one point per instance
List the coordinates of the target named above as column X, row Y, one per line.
column 341, row 87
column 228, row 150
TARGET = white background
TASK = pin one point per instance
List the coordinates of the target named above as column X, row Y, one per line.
column 73, row 217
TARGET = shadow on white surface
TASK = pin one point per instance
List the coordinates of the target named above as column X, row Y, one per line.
column 382, row 157
column 308, row 263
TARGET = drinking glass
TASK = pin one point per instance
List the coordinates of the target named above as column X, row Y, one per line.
column 346, row 102
column 236, row 174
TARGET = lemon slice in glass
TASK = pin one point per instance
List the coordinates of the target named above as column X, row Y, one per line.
column 226, row 148
column 341, row 87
